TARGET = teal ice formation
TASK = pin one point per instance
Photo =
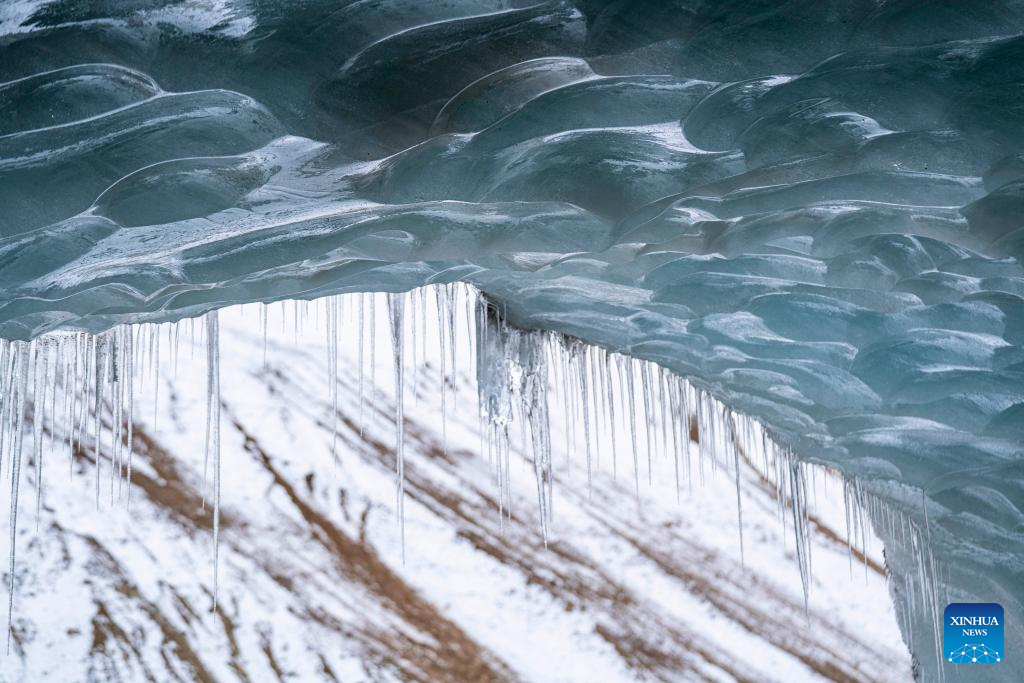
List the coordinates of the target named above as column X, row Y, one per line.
column 813, row 211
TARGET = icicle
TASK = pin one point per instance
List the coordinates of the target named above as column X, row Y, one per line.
column 362, row 298
column 609, row 399
column 100, row 361
column 630, row 393
column 413, row 347
column 734, row 447
column 25, row 352
column 38, row 408
column 116, row 408
column 70, row 391
column 130, row 378
column 678, row 428
column 263, row 326
column 213, row 432
column 797, row 495
column 585, row 406
column 155, row 359
column 89, row 387
column 512, row 380
column 443, row 334
column 175, row 350
column 596, row 398
column 7, row 376
column 535, row 409
column 373, row 341
column 332, row 371
column 54, row 372
column 396, row 314
column 849, row 538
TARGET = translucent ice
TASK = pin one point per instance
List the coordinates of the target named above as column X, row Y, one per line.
column 811, row 210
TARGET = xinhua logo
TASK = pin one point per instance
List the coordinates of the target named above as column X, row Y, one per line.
column 973, row 633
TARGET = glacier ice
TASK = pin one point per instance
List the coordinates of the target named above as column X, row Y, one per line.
column 811, row 211
column 278, row 413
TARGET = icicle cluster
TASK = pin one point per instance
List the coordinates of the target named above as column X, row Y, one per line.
column 606, row 394
column 75, row 393
column 72, row 389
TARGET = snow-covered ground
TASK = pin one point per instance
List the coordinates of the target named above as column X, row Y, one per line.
column 312, row 582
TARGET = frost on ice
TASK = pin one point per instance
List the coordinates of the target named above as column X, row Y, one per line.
column 800, row 216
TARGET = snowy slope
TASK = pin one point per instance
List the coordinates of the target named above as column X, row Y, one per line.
column 312, row 582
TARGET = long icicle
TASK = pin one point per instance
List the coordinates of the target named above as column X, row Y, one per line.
column 213, row 432
column 25, row 358
column 396, row 315
column 332, row 371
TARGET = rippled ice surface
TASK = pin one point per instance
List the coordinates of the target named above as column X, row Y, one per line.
column 813, row 209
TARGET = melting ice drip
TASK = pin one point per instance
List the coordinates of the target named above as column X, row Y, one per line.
column 64, row 391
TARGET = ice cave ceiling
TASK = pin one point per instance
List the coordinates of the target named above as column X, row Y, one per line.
column 815, row 210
